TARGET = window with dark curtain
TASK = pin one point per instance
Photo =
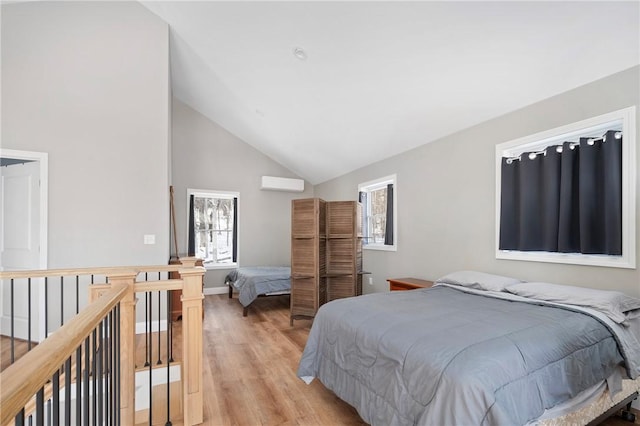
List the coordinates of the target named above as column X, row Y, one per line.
column 378, row 213
column 213, row 228
column 567, row 198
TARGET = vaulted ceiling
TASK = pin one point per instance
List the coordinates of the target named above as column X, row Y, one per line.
column 373, row 79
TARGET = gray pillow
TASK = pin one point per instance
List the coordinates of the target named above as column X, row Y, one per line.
column 478, row 280
column 613, row 304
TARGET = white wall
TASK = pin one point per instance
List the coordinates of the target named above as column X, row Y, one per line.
column 446, row 195
column 206, row 156
column 87, row 82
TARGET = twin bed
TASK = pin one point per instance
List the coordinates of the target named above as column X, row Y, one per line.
column 253, row 282
column 478, row 349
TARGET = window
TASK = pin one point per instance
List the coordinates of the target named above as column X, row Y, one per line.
column 379, row 206
column 213, row 227
column 567, row 195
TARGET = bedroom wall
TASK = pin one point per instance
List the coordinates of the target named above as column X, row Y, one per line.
column 206, row 156
column 87, row 82
column 446, row 195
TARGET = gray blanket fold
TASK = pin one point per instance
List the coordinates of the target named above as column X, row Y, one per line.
column 443, row 356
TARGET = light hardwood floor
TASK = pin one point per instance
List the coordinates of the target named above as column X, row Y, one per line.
column 250, row 368
column 20, row 348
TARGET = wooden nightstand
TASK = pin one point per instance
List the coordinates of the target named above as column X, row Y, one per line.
column 408, row 283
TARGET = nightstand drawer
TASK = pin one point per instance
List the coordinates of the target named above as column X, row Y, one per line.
column 396, row 284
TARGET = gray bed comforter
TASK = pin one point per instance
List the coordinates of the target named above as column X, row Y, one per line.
column 442, row 356
column 257, row 280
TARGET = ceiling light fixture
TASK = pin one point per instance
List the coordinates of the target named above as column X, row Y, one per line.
column 299, row 53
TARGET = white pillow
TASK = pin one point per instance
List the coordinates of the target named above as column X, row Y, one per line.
column 478, row 280
column 613, row 304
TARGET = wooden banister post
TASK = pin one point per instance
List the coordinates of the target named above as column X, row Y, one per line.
column 96, row 290
column 127, row 346
column 188, row 262
column 192, row 392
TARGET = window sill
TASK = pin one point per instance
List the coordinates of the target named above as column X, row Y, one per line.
column 380, row 247
column 214, row 266
column 568, row 258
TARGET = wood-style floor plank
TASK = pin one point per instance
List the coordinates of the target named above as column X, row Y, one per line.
column 251, row 365
column 20, row 347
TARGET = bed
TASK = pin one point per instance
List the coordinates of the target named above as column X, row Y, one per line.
column 469, row 352
column 253, row 282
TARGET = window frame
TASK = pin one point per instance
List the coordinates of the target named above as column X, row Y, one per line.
column 373, row 185
column 572, row 131
column 217, row 194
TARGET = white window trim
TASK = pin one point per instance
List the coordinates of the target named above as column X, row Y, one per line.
column 217, row 194
column 378, row 184
column 558, row 135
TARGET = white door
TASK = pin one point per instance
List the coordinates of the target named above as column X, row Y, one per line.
column 20, row 247
column 20, row 217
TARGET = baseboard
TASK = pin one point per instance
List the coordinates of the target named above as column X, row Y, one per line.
column 215, row 290
column 20, row 328
column 141, row 327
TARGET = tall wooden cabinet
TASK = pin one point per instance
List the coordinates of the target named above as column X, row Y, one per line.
column 344, row 249
column 326, row 253
column 308, row 257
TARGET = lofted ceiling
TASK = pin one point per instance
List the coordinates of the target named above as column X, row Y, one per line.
column 380, row 78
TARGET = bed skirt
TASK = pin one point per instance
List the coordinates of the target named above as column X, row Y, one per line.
column 592, row 411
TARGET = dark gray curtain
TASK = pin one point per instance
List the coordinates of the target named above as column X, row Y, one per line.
column 191, row 249
column 569, row 202
column 388, row 232
column 235, row 230
column 362, row 199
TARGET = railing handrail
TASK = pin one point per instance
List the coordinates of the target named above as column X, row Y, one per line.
column 146, row 286
column 106, row 270
column 170, row 284
column 18, row 387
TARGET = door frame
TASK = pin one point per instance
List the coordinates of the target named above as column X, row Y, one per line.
column 43, row 160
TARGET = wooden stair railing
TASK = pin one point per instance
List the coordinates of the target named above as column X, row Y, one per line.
column 18, row 387
column 22, row 380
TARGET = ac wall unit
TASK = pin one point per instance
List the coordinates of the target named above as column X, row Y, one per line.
column 271, row 183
